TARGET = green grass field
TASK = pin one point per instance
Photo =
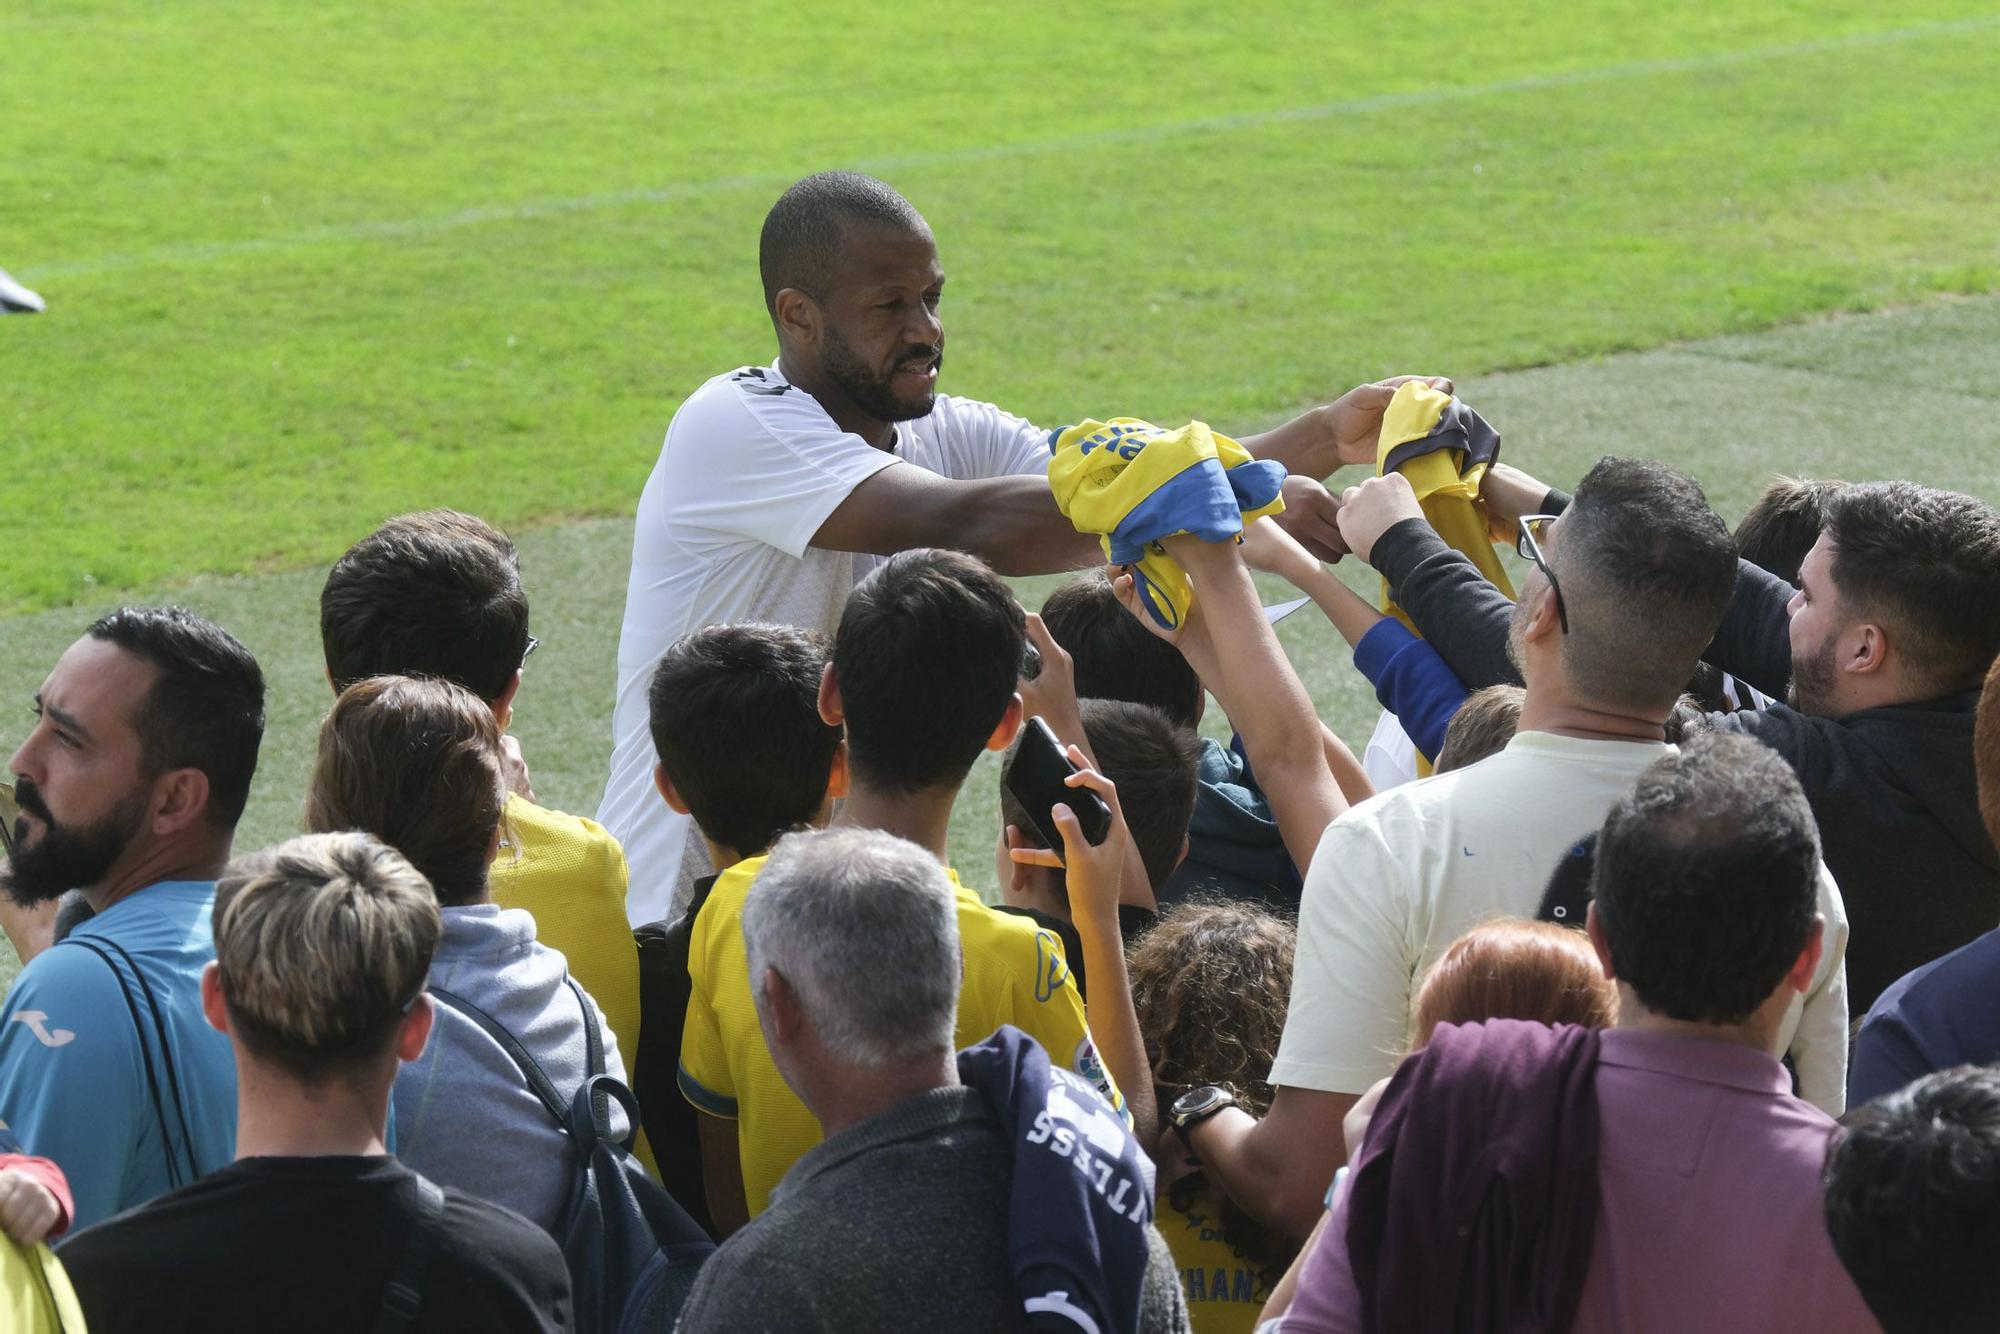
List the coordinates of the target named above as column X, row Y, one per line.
column 313, row 265
column 308, row 267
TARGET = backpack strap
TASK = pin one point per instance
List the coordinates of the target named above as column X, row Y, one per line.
column 593, row 1045
column 403, row 1298
column 104, row 949
column 530, row 1069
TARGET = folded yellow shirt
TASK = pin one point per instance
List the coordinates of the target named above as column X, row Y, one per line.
column 1443, row 450
column 1133, row 483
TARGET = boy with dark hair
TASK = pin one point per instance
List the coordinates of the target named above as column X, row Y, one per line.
column 1913, row 1204
column 322, row 951
column 1782, row 525
column 923, row 675
column 1483, row 726
column 1234, row 846
column 743, row 750
column 439, row 594
column 1152, row 760
column 1115, row 657
column 129, row 786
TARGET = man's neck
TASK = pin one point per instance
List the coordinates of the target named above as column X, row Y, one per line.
column 1551, row 710
column 154, row 865
column 874, row 1092
column 846, row 414
column 279, row 1117
column 924, row 818
column 1759, row 1031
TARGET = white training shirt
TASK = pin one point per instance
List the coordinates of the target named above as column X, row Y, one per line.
column 750, row 469
column 1398, row 878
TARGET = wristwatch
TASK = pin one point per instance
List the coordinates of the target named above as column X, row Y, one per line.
column 1195, row 1106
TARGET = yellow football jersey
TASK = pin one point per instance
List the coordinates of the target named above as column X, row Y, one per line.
column 1225, row 1292
column 1015, row 973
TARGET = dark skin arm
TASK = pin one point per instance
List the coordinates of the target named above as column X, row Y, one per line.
column 1278, row 1168
column 1011, row 523
column 722, row 1175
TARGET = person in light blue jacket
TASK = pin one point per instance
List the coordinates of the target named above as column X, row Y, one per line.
column 417, row 763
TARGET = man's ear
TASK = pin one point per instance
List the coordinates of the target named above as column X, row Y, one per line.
column 1866, row 650
column 213, row 1007
column 1800, row 977
column 416, row 1030
column 668, row 792
column 1593, row 925
column 1010, row 723
column 831, row 711
column 1020, row 886
column 180, row 800
column 503, row 707
column 797, row 317
column 1543, row 619
column 783, row 1013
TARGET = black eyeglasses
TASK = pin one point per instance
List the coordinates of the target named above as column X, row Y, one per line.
column 1530, row 548
column 529, row 651
column 10, row 811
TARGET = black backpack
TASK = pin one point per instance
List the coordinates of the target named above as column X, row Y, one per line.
column 632, row 1252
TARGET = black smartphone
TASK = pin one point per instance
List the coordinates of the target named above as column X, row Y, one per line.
column 1036, row 781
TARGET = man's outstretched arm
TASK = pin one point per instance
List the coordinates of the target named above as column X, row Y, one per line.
column 1317, row 442
column 1011, row 523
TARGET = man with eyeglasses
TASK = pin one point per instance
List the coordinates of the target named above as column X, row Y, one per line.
column 1878, row 653
column 1644, row 569
column 439, row 594
column 322, row 948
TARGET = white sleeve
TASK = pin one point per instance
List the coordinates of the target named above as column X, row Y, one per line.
column 976, row 440
column 1351, row 977
column 1818, row 1040
column 758, row 460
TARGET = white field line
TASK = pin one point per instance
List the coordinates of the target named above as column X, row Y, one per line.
column 437, row 223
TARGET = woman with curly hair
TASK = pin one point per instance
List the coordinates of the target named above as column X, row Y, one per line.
column 1211, row 983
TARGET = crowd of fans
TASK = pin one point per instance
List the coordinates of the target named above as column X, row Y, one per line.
column 1641, row 974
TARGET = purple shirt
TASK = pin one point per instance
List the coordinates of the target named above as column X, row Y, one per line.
column 1710, row 1217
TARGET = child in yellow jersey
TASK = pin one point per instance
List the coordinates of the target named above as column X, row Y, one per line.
column 923, row 675
column 1211, row 983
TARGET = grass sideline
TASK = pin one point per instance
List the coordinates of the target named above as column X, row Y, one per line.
column 1902, row 394
column 311, row 266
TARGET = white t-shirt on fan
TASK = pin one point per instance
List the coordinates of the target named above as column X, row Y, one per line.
column 750, row 469
column 1398, row 878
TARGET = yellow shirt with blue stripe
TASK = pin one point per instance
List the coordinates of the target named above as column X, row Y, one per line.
column 1015, row 973
column 1134, row 483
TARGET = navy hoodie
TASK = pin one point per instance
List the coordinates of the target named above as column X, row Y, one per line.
column 1082, row 1198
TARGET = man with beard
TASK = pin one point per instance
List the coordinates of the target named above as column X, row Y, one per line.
column 1879, row 654
column 776, row 484
column 130, row 787
column 1624, row 592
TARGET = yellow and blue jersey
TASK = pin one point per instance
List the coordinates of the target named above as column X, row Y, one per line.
column 1015, row 973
